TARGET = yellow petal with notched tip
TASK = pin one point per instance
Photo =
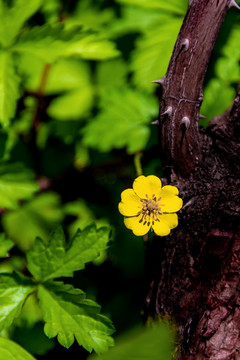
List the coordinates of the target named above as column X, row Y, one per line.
column 170, row 200
column 165, row 224
column 137, row 227
column 147, row 185
column 130, row 204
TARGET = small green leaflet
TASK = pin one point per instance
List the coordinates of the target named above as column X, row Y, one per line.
column 53, row 259
column 53, row 42
column 9, row 350
column 16, row 183
column 9, row 88
column 68, row 315
column 14, row 289
column 5, row 245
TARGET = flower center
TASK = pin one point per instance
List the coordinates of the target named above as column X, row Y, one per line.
column 151, row 209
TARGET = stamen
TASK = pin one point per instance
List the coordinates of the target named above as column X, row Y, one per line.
column 151, row 209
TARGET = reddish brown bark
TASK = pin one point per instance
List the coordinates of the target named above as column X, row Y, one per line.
column 194, row 272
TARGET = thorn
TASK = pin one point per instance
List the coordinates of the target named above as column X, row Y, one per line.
column 202, row 116
column 233, row 3
column 186, row 122
column 156, row 122
column 168, row 111
column 185, row 44
column 159, row 81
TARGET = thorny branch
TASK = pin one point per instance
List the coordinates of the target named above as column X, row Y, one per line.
column 194, row 273
column 180, row 139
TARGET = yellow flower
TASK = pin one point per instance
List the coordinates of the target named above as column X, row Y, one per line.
column 149, row 205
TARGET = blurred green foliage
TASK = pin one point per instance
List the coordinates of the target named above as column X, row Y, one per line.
column 76, row 104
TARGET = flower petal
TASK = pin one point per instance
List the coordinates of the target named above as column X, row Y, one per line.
column 147, row 185
column 166, row 223
column 171, row 204
column 161, row 228
column 137, row 227
column 130, row 204
column 170, row 219
column 169, row 198
column 170, row 190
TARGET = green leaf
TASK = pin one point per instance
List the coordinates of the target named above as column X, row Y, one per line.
column 38, row 216
column 131, row 113
column 9, row 88
column 14, row 290
column 5, row 245
column 12, row 18
column 153, row 50
column 231, row 46
column 91, row 15
column 217, row 97
column 9, row 350
column 84, row 216
column 53, row 42
column 175, row 6
column 152, row 343
column 53, row 259
column 72, row 105
column 16, row 183
column 105, row 70
column 69, row 314
column 227, row 69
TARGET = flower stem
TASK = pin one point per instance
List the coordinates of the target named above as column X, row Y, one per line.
column 137, row 163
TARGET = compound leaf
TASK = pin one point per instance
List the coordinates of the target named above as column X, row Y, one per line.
column 68, row 315
column 53, row 259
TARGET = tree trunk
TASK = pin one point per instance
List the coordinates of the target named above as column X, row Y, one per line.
column 194, row 272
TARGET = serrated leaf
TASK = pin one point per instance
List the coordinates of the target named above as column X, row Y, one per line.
column 38, row 216
column 12, row 18
column 150, row 343
column 16, row 183
column 9, row 88
column 5, row 245
column 153, row 50
column 175, row 6
column 68, row 315
column 9, row 350
column 14, row 290
column 53, row 259
column 131, row 113
column 53, row 42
